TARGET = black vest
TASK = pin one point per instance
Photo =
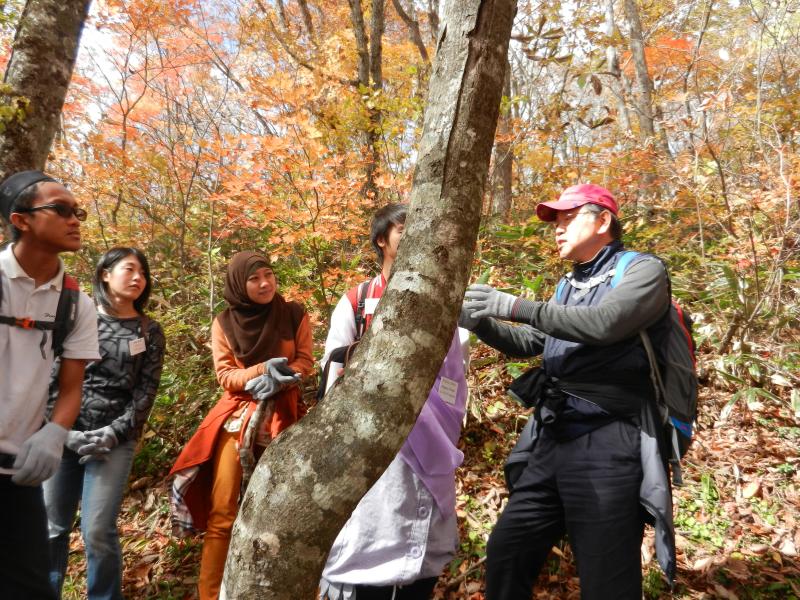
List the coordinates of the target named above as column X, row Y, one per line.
column 615, row 377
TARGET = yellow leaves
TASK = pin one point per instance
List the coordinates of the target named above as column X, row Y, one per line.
column 312, row 132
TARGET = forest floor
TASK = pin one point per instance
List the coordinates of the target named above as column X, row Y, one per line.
column 736, row 515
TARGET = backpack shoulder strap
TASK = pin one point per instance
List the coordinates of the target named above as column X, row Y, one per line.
column 66, row 312
column 358, row 298
column 622, row 264
column 352, row 296
column 560, row 289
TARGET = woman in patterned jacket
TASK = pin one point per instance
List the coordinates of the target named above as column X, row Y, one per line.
column 118, row 393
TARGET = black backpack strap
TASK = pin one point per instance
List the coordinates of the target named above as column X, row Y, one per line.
column 66, row 312
column 361, row 319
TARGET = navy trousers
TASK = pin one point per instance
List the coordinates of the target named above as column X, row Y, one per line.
column 588, row 488
column 24, row 548
column 419, row 590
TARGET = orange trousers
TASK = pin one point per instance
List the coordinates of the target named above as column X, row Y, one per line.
column 224, row 507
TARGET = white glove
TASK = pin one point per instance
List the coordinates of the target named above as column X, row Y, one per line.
column 40, row 455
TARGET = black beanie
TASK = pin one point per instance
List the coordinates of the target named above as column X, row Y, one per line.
column 14, row 185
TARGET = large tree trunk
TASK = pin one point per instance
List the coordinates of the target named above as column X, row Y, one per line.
column 312, row 476
column 40, row 69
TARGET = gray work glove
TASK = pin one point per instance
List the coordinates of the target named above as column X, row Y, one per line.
column 484, row 301
column 103, row 437
column 280, row 371
column 466, row 320
column 39, row 456
column 86, row 447
column 76, row 440
column 100, row 441
column 262, row 387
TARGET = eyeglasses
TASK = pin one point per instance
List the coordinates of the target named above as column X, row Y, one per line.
column 570, row 217
column 65, row 211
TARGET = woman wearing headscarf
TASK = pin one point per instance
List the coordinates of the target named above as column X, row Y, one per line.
column 261, row 345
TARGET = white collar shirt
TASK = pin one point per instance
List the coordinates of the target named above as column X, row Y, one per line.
column 24, row 373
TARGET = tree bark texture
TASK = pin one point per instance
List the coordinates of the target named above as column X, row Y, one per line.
column 370, row 66
column 503, row 161
column 644, row 105
column 311, row 477
column 612, row 63
column 40, row 69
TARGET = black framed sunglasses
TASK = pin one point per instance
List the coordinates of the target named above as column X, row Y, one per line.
column 64, row 211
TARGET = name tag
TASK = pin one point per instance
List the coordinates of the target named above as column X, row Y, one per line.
column 448, row 389
column 136, row 346
column 370, row 304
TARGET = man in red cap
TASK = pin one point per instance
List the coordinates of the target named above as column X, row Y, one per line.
column 44, row 220
column 579, row 466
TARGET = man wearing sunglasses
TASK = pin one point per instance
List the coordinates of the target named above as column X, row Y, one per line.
column 44, row 220
column 581, row 468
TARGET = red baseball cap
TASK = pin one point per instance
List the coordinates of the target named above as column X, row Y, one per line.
column 575, row 196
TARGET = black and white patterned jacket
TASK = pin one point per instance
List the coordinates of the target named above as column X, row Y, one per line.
column 119, row 389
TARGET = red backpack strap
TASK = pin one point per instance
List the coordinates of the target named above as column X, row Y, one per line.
column 352, row 296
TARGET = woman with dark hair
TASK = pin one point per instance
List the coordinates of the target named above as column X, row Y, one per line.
column 118, row 393
column 261, row 345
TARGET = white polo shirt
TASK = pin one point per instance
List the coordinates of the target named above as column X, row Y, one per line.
column 24, row 374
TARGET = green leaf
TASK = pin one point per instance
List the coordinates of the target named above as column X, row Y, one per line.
column 765, row 394
column 534, row 285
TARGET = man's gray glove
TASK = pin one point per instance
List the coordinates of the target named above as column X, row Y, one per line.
column 466, row 320
column 483, row 300
column 40, row 455
column 262, row 387
column 280, row 371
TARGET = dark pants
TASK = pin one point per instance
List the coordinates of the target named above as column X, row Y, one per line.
column 24, row 548
column 419, row 590
column 587, row 488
